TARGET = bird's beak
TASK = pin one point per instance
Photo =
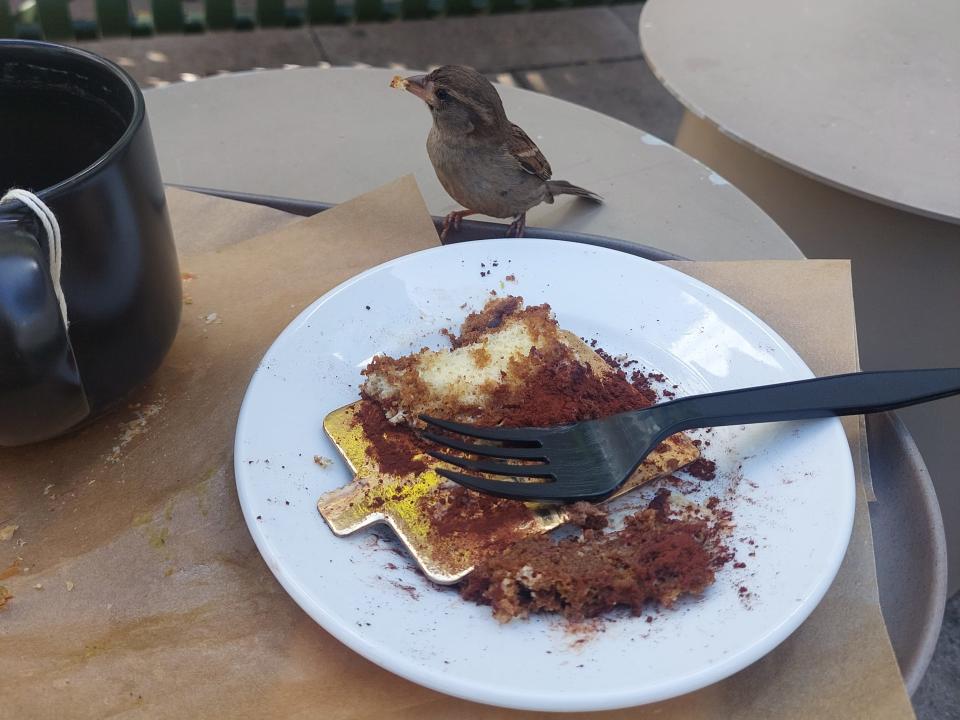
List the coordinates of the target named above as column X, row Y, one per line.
column 420, row 86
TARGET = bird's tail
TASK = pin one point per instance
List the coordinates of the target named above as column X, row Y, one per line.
column 562, row 187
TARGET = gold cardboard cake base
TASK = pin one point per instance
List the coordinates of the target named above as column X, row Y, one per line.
column 407, row 503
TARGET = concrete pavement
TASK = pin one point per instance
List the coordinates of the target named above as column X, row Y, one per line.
column 590, row 56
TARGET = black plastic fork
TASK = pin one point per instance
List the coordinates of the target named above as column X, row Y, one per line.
column 589, row 460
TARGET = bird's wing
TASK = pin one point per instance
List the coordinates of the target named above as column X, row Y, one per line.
column 528, row 154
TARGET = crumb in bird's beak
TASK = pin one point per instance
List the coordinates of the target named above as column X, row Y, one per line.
column 417, row 85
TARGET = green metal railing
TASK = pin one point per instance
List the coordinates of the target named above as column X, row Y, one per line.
column 51, row 19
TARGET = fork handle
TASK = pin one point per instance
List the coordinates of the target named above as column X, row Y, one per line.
column 831, row 396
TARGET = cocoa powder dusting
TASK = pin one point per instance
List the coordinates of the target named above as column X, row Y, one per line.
column 606, row 357
column 557, row 389
column 461, row 518
column 476, row 324
column 702, row 469
column 641, row 383
column 654, row 559
column 393, row 447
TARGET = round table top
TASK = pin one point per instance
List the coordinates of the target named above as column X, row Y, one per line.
column 863, row 95
column 331, row 134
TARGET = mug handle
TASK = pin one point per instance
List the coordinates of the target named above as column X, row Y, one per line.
column 41, row 394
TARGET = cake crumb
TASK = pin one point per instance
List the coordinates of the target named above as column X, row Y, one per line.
column 586, row 515
column 654, row 560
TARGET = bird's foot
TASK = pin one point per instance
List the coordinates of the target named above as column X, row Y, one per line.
column 452, row 222
column 517, row 226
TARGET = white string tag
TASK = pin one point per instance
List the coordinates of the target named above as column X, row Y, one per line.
column 52, row 229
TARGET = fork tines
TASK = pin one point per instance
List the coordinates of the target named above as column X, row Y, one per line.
column 511, row 435
column 537, row 467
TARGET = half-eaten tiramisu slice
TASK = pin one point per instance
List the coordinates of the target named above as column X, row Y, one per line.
column 511, row 365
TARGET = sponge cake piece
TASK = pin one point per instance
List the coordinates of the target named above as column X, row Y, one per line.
column 511, row 365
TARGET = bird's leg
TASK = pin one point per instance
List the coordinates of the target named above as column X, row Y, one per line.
column 517, row 226
column 452, row 222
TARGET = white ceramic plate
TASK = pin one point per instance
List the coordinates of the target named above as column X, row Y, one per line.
column 791, row 484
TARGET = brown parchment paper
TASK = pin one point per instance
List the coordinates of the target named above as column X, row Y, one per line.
column 137, row 591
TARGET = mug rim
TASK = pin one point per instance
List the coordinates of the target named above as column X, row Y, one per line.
column 139, row 110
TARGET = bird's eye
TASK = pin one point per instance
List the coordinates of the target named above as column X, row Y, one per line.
column 442, row 95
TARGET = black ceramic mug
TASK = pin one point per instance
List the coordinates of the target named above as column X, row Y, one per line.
column 73, row 130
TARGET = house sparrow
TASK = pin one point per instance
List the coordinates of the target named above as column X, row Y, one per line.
column 484, row 161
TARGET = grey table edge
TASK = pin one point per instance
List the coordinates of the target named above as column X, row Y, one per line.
column 910, row 547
